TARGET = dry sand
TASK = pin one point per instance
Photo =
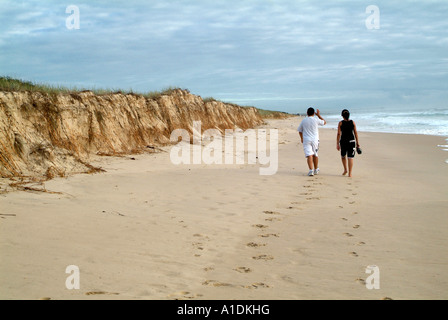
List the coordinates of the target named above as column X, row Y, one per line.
column 147, row 229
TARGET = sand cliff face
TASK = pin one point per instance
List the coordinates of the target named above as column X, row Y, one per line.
column 43, row 135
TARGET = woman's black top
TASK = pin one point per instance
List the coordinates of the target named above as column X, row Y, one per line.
column 347, row 131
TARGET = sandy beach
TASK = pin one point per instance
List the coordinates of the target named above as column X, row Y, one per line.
column 148, row 229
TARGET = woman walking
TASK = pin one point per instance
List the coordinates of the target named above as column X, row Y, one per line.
column 347, row 141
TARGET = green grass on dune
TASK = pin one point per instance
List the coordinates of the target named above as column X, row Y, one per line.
column 18, row 85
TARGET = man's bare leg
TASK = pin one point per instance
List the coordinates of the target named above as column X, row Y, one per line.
column 310, row 162
column 316, row 162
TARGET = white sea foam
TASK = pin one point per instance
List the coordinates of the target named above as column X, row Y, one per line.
column 429, row 122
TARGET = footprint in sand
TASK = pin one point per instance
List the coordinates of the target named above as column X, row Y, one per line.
column 270, row 212
column 354, row 254
column 259, row 226
column 198, row 245
column 255, row 245
column 355, row 213
column 209, row 269
column 267, row 235
column 181, row 295
column 345, row 219
column 263, row 257
column 92, row 293
column 272, row 219
column 313, row 198
column 361, row 243
column 356, row 226
column 386, row 298
column 257, row 285
column 198, row 235
column 353, row 202
column 215, row 283
column 306, row 194
column 115, row 212
column 4, row 215
column 361, row 281
column 348, row 234
column 243, row 270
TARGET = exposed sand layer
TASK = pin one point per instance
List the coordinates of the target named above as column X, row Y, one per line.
column 46, row 135
column 147, row 229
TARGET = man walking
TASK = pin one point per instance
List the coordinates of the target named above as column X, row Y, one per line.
column 309, row 135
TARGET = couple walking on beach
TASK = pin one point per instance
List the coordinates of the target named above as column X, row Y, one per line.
column 347, row 141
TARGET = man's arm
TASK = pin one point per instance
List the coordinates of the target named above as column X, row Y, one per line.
column 320, row 117
column 300, row 129
column 338, row 137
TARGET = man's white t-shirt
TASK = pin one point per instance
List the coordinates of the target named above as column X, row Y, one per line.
column 309, row 128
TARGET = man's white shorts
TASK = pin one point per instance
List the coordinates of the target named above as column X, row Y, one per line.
column 311, row 148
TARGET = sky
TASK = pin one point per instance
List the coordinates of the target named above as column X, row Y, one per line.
column 281, row 55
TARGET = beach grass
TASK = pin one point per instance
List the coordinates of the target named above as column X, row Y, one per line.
column 273, row 114
column 10, row 84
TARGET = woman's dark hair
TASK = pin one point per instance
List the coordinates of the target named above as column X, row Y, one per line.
column 310, row 111
column 345, row 114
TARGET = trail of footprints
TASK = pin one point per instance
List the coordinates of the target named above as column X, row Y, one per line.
column 269, row 217
column 272, row 217
column 352, row 232
column 354, row 227
column 201, row 242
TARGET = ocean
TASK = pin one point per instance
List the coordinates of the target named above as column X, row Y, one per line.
column 428, row 122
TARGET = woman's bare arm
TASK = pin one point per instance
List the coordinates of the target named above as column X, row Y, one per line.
column 356, row 134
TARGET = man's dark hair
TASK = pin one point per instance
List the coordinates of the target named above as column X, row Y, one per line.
column 345, row 114
column 310, row 112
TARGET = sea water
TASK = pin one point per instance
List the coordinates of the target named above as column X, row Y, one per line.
column 428, row 122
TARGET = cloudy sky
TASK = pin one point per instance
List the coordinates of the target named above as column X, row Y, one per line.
column 276, row 54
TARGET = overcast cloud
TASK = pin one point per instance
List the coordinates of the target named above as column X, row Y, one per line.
column 283, row 55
